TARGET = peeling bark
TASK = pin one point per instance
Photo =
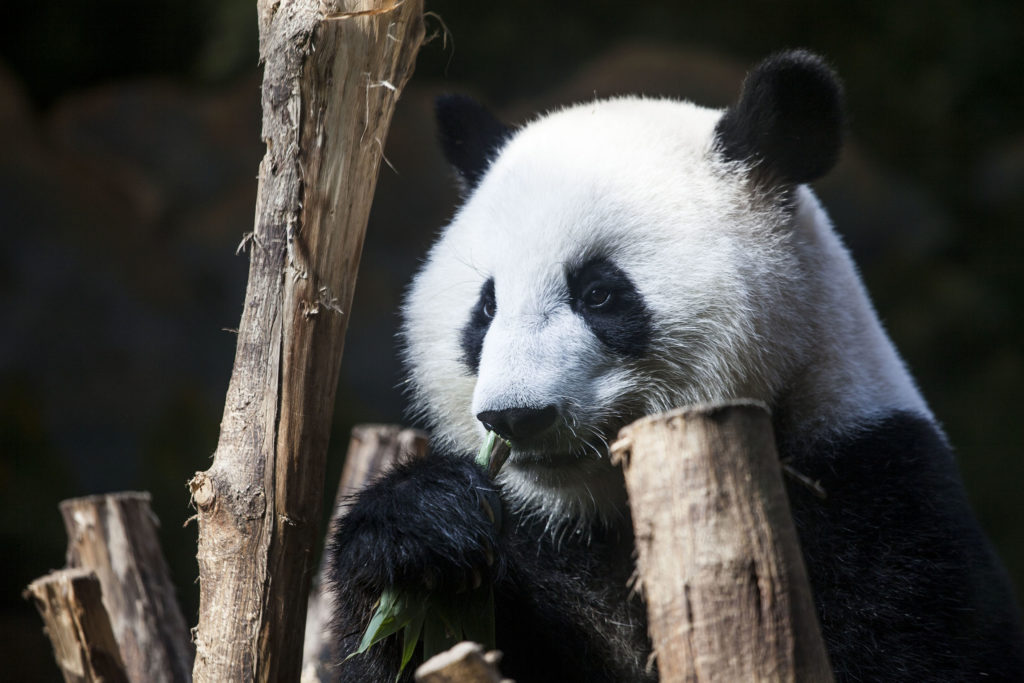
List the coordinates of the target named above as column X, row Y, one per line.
column 332, row 74
column 466, row 662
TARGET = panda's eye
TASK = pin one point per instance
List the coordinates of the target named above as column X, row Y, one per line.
column 607, row 301
column 597, row 296
column 488, row 308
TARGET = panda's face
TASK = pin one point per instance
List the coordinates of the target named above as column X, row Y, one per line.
column 609, row 263
column 600, row 271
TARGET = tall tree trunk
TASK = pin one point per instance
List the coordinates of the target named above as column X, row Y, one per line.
column 332, row 74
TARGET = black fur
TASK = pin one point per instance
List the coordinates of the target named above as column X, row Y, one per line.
column 621, row 321
column 425, row 526
column 470, row 136
column 788, row 122
column 905, row 585
column 563, row 608
column 475, row 329
column 618, row 317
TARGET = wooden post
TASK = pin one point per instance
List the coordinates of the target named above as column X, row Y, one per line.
column 115, row 536
column 371, row 450
column 333, row 70
column 71, row 604
column 718, row 556
column 465, row 662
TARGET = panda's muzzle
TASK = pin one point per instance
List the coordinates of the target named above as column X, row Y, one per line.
column 518, row 424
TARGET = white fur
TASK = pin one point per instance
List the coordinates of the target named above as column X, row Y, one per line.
column 748, row 300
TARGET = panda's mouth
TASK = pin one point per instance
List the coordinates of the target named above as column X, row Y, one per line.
column 557, row 454
column 569, row 443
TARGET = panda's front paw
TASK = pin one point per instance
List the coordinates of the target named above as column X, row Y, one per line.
column 431, row 523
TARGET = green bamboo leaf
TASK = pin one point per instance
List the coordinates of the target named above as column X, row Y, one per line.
column 410, row 637
column 393, row 612
column 436, row 637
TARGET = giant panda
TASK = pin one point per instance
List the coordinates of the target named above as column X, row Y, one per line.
column 626, row 256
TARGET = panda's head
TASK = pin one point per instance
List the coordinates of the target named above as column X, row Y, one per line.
column 614, row 259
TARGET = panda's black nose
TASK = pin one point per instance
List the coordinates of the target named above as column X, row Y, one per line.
column 518, row 423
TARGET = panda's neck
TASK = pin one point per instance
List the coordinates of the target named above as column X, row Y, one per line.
column 850, row 374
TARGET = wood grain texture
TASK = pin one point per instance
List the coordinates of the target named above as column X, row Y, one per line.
column 115, row 536
column 718, row 556
column 332, row 74
column 70, row 601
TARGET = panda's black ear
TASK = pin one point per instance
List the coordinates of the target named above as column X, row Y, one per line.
column 788, row 123
column 470, row 135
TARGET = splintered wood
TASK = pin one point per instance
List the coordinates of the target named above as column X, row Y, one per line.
column 70, row 602
column 115, row 535
column 332, row 73
column 718, row 556
column 112, row 614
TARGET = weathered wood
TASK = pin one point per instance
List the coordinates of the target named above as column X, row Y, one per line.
column 115, row 536
column 70, row 601
column 718, row 556
column 465, row 662
column 371, row 450
column 332, row 74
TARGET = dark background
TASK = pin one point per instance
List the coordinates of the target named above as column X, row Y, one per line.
column 129, row 143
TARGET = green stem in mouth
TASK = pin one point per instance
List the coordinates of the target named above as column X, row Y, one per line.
column 493, row 453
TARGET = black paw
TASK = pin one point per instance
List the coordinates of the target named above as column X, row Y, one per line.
column 431, row 524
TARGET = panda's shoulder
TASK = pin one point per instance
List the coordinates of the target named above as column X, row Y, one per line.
column 891, row 446
column 890, row 484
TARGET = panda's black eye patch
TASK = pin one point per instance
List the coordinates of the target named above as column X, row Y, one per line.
column 608, row 301
column 474, row 331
